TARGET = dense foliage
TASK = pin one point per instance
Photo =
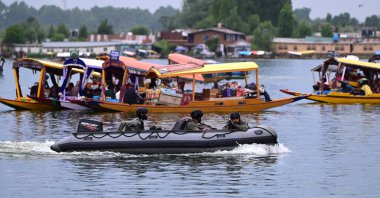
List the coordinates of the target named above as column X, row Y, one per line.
column 263, row 19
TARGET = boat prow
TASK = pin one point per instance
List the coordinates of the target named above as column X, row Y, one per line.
column 27, row 104
column 337, row 97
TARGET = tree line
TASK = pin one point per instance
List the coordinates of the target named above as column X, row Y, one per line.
column 264, row 19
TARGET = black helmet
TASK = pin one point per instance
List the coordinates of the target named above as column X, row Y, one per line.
column 196, row 114
column 235, row 115
column 141, row 113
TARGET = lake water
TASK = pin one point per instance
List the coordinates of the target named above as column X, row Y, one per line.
column 325, row 151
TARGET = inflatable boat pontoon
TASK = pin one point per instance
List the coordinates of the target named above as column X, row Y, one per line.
column 90, row 137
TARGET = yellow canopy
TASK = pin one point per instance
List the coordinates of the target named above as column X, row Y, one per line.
column 359, row 64
column 51, row 67
column 215, row 68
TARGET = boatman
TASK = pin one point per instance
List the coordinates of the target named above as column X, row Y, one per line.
column 195, row 124
column 236, row 123
column 136, row 124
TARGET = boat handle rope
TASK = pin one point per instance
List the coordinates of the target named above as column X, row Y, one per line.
column 95, row 135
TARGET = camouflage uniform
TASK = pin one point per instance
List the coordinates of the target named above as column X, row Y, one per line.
column 192, row 126
column 132, row 125
column 242, row 126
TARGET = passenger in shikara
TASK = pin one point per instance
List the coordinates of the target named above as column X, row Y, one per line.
column 34, row 89
column 365, row 89
column 130, row 95
column 75, row 90
column 87, row 91
column 153, row 83
column 69, row 89
column 252, row 86
column 136, row 124
column 195, row 124
column 110, row 91
column 236, row 123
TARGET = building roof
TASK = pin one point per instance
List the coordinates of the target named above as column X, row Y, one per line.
column 79, row 44
column 303, row 40
column 223, row 30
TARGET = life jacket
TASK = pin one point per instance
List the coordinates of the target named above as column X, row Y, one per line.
column 181, row 124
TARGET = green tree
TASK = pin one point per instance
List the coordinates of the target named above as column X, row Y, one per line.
column 212, row 43
column 105, row 28
column 58, row 37
column 82, row 33
column 193, row 11
column 263, row 36
column 303, row 14
column 51, row 32
column 168, row 22
column 140, row 30
column 14, row 34
column 326, row 30
column 163, row 47
column 62, row 29
column 233, row 21
column 329, row 18
column 253, row 22
column 372, row 21
column 205, row 23
column 304, row 29
column 286, row 24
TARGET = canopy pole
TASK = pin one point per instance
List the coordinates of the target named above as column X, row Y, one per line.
column 193, row 87
column 41, row 82
column 18, row 92
column 257, row 84
column 245, row 78
column 103, row 84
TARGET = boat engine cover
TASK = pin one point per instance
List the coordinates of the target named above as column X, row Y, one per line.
column 86, row 125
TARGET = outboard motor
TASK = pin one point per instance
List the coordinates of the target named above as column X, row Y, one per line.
column 86, row 125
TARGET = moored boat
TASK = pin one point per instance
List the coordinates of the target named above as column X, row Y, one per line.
column 43, row 67
column 87, row 68
column 91, row 137
column 349, row 72
column 174, row 102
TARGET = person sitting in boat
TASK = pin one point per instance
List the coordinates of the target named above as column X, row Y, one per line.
column 87, row 91
column 54, row 91
column 69, row 89
column 34, row 89
column 110, row 91
column 236, row 123
column 130, row 95
column 252, row 86
column 75, row 90
column 136, row 124
column 364, row 90
column 195, row 123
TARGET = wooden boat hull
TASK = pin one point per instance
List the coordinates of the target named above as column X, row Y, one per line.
column 247, row 105
column 62, row 105
column 90, row 104
column 338, row 98
column 28, row 104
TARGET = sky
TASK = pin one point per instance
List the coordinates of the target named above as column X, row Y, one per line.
column 360, row 9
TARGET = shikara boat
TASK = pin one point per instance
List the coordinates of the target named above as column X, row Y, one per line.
column 176, row 58
column 43, row 67
column 91, row 137
column 346, row 67
column 89, row 68
column 226, row 104
column 135, row 72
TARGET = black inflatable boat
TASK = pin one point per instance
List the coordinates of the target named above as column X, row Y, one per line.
column 90, row 137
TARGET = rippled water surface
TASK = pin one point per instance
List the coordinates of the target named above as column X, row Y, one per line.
column 324, row 151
